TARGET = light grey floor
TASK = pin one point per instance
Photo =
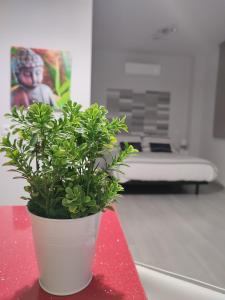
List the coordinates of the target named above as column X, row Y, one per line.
column 177, row 231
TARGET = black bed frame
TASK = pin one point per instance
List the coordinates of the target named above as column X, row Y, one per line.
column 180, row 183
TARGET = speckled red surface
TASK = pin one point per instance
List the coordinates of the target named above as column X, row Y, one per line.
column 115, row 276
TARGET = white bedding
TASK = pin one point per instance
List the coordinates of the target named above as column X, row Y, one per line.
column 167, row 167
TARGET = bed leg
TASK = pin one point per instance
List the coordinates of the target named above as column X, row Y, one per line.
column 197, row 188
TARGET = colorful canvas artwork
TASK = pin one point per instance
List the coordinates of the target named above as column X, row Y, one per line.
column 40, row 75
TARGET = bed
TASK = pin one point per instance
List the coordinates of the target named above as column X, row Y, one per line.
column 159, row 162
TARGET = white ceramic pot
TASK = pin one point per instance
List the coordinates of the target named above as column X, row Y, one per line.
column 65, row 250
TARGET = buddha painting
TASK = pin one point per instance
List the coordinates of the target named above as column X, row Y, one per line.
column 34, row 77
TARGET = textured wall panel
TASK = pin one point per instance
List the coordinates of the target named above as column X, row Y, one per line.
column 147, row 113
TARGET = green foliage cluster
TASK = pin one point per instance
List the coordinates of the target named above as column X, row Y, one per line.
column 61, row 158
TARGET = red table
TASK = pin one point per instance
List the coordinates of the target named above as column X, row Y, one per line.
column 115, row 276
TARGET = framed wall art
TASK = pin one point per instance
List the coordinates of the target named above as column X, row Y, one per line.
column 40, row 75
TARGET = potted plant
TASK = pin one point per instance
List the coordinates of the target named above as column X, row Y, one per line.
column 69, row 183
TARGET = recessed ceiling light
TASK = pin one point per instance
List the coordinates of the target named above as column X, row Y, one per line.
column 164, row 32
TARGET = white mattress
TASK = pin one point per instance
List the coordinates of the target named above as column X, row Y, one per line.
column 167, row 167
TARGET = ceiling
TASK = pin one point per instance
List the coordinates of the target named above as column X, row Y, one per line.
column 128, row 25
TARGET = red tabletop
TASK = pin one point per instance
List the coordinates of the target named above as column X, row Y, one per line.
column 115, row 276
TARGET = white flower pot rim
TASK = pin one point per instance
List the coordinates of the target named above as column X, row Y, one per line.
column 58, row 220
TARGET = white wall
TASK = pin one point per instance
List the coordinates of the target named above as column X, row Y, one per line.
column 51, row 24
column 202, row 142
column 196, row 104
column 176, row 74
column 212, row 148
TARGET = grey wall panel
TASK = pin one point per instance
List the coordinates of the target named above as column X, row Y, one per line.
column 219, row 115
column 147, row 113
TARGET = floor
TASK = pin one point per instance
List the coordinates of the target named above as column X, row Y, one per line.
column 176, row 230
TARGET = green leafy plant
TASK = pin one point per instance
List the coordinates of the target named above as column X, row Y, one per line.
column 63, row 158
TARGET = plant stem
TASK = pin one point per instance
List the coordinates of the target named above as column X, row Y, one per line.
column 37, row 163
